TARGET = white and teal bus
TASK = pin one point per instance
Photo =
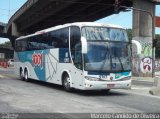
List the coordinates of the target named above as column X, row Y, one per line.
column 84, row 55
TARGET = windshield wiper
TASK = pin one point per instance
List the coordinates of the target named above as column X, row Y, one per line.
column 106, row 54
column 121, row 63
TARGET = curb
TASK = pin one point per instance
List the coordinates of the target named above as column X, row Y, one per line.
column 155, row 91
column 146, row 79
column 143, row 78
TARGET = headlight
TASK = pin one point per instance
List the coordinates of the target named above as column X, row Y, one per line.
column 126, row 78
column 92, row 78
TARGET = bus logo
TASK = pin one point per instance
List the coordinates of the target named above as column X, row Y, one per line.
column 37, row 59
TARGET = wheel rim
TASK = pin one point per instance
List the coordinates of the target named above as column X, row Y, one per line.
column 67, row 82
column 26, row 75
column 21, row 74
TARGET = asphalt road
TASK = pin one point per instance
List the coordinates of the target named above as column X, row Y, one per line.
column 17, row 96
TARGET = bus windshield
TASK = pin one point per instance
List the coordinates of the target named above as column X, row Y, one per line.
column 104, row 33
column 103, row 56
column 107, row 54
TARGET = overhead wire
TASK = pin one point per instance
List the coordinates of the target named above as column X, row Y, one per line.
column 3, row 14
column 9, row 9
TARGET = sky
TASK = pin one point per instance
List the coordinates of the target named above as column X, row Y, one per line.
column 9, row 7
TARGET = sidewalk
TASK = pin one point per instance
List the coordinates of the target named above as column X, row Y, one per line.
column 147, row 79
column 155, row 89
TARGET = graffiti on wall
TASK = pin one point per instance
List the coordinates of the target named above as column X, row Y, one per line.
column 142, row 62
column 147, row 49
column 146, row 65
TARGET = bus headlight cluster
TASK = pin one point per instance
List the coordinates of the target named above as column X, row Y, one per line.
column 126, row 78
column 92, row 78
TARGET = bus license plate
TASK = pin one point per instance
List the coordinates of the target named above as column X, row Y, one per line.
column 110, row 85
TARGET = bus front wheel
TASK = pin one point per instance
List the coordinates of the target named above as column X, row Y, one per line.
column 105, row 91
column 66, row 82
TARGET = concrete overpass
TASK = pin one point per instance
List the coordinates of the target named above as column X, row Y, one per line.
column 4, row 34
column 35, row 15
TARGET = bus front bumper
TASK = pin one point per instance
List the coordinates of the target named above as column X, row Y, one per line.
column 102, row 85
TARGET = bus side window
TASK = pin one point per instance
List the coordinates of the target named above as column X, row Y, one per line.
column 64, row 38
column 17, row 46
column 76, row 46
column 53, row 39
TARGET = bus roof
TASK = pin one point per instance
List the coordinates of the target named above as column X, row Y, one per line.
column 80, row 24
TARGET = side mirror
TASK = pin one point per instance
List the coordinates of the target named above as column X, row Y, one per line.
column 84, row 45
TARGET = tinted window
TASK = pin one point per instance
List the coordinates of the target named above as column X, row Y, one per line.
column 54, row 39
column 21, row 45
column 104, row 33
column 76, row 46
column 75, row 36
column 40, row 42
column 60, row 38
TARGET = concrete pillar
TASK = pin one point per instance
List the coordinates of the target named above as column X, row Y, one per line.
column 15, row 30
column 142, row 34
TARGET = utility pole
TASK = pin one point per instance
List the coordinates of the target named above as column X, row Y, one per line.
column 9, row 9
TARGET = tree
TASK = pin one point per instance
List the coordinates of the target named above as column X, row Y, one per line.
column 6, row 45
column 129, row 32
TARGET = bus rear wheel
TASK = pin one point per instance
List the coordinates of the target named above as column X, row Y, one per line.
column 26, row 75
column 66, row 83
column 21, row 74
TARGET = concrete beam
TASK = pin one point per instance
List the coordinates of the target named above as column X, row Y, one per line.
column 2, row 24
column 14, row 30
column 2, row 27
column 21, row 11
column 156, row 1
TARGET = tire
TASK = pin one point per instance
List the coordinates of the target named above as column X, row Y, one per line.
column 21, row 75
column 66, row 83
column 26, row 75
column 106, row 91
